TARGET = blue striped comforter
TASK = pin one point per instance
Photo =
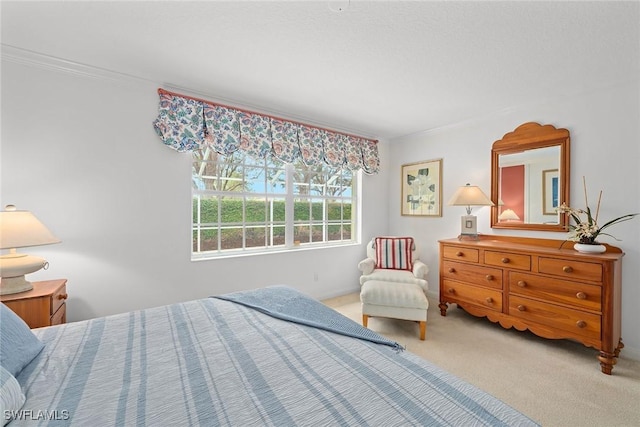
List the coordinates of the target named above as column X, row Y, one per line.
column 216, row 362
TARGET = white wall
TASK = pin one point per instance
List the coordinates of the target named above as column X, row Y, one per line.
column 80, row 152
column 605, row 148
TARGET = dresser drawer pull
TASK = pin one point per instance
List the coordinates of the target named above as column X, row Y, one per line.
column 567, row 269
column 581, row 295
column 522, row 308
column 489, row 277
column 522, row 283
column 505, row 260
column 451, row 291
column 63, row 296
column 489, row 300
column 459, row 253
column 581, row 324
column 452, row 270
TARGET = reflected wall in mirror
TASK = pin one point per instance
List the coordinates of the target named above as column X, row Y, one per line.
column 530, row 178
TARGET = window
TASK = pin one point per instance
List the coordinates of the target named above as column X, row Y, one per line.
column 246, row 205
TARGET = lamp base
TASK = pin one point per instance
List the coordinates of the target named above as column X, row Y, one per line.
column 468, row 236
column 14, row 285
column 13, row 267
column 468, row 225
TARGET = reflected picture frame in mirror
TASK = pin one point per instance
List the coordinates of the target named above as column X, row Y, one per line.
column 530, row 171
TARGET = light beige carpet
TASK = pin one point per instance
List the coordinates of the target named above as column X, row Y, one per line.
column 554, row 382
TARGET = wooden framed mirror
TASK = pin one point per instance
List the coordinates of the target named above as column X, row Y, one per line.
column 530, row 178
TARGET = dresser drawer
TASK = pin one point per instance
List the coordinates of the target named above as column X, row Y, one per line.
column 58, row 298
column 60, row 316
column 506, row 259
column 462, row 254
column 570, row 269
column 576, row 323
column 483, row 297
column 476, row 274
column 579, row 295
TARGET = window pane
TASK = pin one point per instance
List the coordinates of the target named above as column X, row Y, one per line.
column 346, row 231
column 317, row 184
column 231, row 238
column 256, row 210
column 317, row 233
column 334, row 210
column 256, row 180
column 207, row 239
column 277, row 180
column 301, row 209
column 277, row 235
column 256, row 236
column 301, row 233
column 232, row 210
column 276, row 210
column 317, row 209
column 335, row 232
column 206, row 210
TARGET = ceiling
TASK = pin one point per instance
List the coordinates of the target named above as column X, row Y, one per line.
column 381, row 69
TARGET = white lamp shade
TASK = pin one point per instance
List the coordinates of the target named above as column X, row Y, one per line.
column 508, row 215
column 470, row 195
column 19, row 229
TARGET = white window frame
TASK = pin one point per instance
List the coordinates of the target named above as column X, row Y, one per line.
column 290, row 242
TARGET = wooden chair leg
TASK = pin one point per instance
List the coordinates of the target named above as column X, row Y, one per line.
column 365, row 320
column 423, row 330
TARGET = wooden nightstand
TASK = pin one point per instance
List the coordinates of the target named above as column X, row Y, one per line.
column 44, row 305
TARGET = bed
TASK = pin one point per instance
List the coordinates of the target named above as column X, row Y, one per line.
column 270, row 356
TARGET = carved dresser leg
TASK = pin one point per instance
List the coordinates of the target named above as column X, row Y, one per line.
column 620, row 347
column 607, row 360
column 443, row 308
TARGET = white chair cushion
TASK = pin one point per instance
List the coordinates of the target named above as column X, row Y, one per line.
column 398, row 295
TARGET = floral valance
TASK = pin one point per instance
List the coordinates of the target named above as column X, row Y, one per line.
column 187, row 124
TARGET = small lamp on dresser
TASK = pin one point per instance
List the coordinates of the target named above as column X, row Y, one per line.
column 19, row 229
column 469, row 195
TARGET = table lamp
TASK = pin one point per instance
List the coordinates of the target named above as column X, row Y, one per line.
column 19, row 229
column 469, row 195
column 508, row 215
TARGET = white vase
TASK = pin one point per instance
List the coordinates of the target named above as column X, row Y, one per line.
column 589, row 249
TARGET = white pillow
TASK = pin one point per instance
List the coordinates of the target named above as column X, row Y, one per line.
column 11, row 395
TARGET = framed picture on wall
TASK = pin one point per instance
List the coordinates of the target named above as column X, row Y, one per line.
column 421, row 188
column 550, row 186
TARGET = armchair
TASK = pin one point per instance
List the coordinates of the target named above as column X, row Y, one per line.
column 392, row 282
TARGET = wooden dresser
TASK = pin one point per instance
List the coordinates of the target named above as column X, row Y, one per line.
column 44, row 305
column 533, row 284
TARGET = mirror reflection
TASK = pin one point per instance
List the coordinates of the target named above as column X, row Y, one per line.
column 530, row 178
column 529, row 185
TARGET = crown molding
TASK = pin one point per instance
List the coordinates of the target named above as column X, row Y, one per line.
column 52, row 63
